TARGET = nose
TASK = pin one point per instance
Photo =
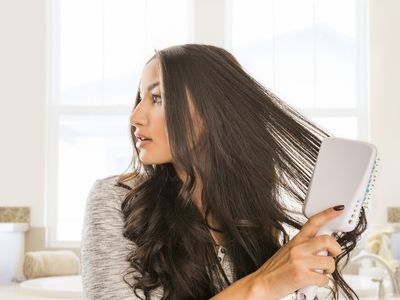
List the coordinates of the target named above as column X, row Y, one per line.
column 138, row 116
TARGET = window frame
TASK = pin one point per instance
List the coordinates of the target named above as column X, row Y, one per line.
column 201, row 20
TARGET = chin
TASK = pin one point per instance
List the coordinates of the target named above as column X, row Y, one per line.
column 145, row 161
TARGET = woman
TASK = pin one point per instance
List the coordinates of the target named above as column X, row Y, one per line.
column 220, row 171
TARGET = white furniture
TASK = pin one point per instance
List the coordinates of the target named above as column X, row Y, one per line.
column 12, row 249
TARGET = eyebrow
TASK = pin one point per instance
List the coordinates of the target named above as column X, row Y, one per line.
column 151, row 86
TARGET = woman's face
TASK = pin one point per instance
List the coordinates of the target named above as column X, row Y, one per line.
column 149, row 118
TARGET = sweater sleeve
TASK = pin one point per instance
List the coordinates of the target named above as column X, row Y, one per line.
column 103, row 247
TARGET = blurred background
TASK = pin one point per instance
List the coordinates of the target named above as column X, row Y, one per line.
column 69, row 70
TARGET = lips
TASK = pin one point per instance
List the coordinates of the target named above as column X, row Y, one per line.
column 142, row 137
column 141, row 143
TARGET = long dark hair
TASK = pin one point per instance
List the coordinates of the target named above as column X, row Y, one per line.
column 254, row 157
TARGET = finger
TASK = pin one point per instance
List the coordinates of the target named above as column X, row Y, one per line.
column 314, row 223
column 326, row 263
column 315, row 278
column 323, row 242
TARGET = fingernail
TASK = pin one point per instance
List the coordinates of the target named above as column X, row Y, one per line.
column 338, row 207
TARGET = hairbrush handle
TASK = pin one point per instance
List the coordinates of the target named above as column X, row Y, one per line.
column 309, row 292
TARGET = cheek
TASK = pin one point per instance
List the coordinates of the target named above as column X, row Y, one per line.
column 162, row 131
column 165, row 139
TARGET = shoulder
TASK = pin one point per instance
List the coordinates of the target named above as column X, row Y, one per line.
column 103, row 218
column 106, row 191
column 110, row 185
column 103, row 204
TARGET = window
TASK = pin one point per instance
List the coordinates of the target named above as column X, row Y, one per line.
column 310, row 53
column 99, row 50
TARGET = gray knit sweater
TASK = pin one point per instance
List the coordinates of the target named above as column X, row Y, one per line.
column 104, row 248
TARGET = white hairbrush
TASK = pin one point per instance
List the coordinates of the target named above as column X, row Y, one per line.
column 343, row 174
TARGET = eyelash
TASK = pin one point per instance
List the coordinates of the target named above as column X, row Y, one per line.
column 157, row 96
column 153, row 95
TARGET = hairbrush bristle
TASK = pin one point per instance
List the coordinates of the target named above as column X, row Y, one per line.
column 370, row 187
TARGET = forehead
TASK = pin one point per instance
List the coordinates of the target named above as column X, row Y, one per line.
column 150, row 74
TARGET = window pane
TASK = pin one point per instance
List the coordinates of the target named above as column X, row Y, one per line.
column 90, row 147
column 305, row 51
column 346, row 127
column 336, row 59
column 105, row 44
column 81, row 58
column 251, row 21
column 252, row 38
column 164, row 29
column 124, row 38
column 294, row 56
column 132, row 31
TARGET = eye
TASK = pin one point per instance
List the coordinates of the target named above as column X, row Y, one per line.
column 156, row 97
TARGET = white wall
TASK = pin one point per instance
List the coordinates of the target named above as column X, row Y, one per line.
column 23, row 54
column 385, row 101
column 23, row 92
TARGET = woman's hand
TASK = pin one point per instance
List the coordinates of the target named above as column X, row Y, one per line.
column 293, row 266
